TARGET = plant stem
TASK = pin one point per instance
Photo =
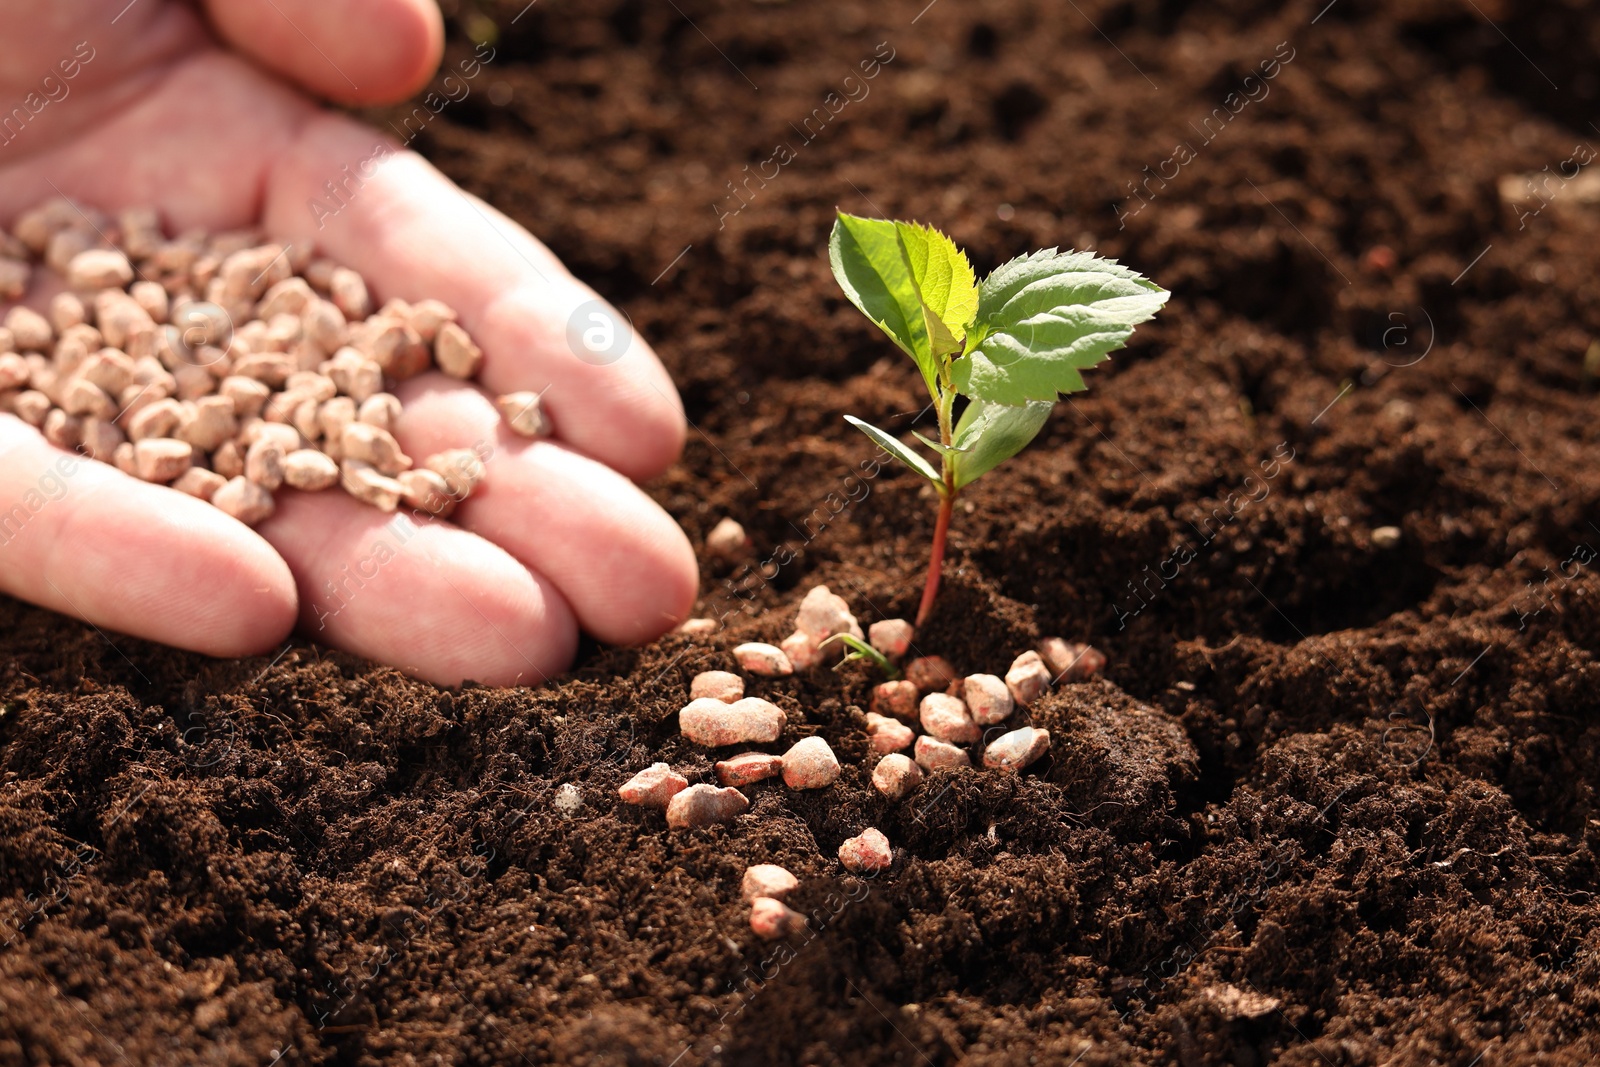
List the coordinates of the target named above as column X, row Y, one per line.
column 936, row 560
column 947, row 501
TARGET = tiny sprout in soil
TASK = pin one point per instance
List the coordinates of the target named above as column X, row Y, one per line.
column 1008, row 345
column 860, row 650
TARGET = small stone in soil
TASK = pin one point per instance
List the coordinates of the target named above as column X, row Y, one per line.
column 823, row 614
column 772, row 919
column 888, row 735
column 767, row 880
column 803, row 652
column 810, row 764
column 1070, row 662
column 1028, row 678
column 768, row 661
column 896, row 776
column 898, row 699
column 867, row 851
column 1015, row 750
column 717, row 685
column 891, row 637
column 704, row 805
column 988, row 699
column 1385, row 536
column 936, row 755
column 748, row 768
column 713, row 723
column 653, row 787
column 946, row 718
column 727, row 540
column 568, row 799
column 930, row 674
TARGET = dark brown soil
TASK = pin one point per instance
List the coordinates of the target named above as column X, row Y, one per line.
column 1334, row 803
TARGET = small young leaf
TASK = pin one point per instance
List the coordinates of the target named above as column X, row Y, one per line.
column 859, row 649
column 944, row 278
column 869, row 262
column 943, row 450
column 897, row 450
column 989, row 434
column 1044, row 317
column 944, row 343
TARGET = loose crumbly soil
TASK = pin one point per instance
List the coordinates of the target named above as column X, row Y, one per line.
column 1332, row 803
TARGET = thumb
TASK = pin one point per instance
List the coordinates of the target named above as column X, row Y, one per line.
column 348, row 51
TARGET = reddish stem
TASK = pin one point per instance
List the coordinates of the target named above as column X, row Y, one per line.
column 936, row 561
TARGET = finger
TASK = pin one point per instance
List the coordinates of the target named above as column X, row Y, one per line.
column 622, row 563
column 197, row 145
column 414, row 234
column 434, row 600
column 84, row 539
column 352, row 51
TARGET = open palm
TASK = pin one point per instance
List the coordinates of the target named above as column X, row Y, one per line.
column 187, row 111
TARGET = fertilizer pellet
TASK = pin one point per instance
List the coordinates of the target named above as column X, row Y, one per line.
column 568, row 799
column 1028, row 678
column 947, row 719
column 748, row 768
column 771, row 919
column 897, row 699
column 824, row 614
column 199, row 482
column 1015, row 750
column 931, row 674
column 713, row 723
column 768, row 661
column 309, row 470
column 896, row 776
column 523, row 414
column 767, row 880
column 163, row 355
column 727, row 540
column 244, row 500
column 867, row 851
column 1070, row 662
column 888, row 735
column 704, row 805
column 935, row 755
column 717, row 685
column 802, row 651
column 987, row 699
column 653, row 787
column 892, row 637
column 810, row 764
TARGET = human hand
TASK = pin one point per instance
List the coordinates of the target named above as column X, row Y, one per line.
column 165, row 114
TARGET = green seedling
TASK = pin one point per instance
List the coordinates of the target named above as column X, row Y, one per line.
column 1009, row 345
column 860, row 650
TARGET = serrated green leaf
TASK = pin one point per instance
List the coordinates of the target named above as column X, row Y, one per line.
column 988, row 434
column 897, row 450
column 1044, row 317
column 870, row 264
column 944, row 278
